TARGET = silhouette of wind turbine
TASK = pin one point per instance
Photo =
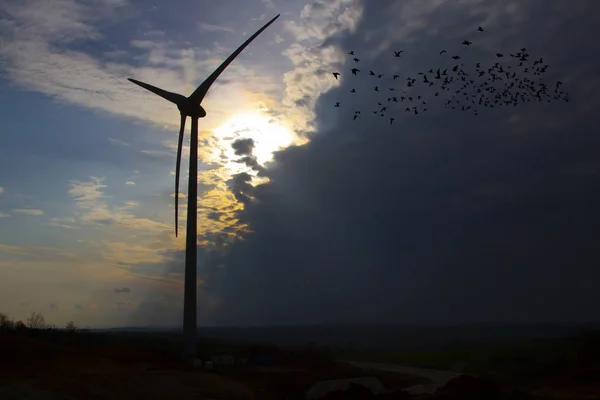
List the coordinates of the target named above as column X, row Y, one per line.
column 191, row 107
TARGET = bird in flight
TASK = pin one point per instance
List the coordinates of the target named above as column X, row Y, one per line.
column 336, row 74
column 355, row 70
column 337, row 104
column 356, row 59
column 480, row 29
column 469, row 94
column 351, row 52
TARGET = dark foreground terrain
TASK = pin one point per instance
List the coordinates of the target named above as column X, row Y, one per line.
column 60, row 364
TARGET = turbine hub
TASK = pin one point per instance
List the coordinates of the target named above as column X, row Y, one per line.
column 192, row 110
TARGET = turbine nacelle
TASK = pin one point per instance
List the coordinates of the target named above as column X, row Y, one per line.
column 190, row 109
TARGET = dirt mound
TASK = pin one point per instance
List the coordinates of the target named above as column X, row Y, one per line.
column 355, row 391
column 396, row 395
column 466, row 387
column 470, row 387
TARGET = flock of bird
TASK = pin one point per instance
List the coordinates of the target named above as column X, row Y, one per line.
column 461, row 87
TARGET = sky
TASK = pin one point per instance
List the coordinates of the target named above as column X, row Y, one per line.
column 305, row 215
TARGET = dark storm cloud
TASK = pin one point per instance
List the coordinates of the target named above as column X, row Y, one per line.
column 243, row 147
column 442, row 217
column 241, row 187
column 252, row 162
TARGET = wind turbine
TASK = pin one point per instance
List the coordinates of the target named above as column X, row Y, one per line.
column 191, row 107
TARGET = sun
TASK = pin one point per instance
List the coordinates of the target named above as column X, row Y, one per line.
column 267, row 134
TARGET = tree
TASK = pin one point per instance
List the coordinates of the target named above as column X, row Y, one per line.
column 6, row 324
column 71, row 327
column 36, row 321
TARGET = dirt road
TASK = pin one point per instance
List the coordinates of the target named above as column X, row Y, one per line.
column 437, row 378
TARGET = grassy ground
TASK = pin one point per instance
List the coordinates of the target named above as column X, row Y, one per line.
column 43, row 364
column 490, row 359
column 552, row 369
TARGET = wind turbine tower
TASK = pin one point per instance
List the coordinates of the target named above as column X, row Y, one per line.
column 191, row 107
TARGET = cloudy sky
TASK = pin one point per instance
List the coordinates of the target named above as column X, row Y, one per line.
column 305, row 216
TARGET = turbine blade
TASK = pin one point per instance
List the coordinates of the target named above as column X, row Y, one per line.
column 201, row 91
column 172, row 97
column 177, row 169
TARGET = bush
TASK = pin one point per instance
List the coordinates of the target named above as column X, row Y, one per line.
column 36, row 321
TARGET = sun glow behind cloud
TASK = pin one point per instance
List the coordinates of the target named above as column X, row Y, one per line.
column 268, row 135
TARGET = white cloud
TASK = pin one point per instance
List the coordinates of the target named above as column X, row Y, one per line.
column 322, row 19
column 130, row 183
column 27, row 211
column 306, row 82
column 215, row 28
column 269, row 3
column 62, row 223
column 36, row 56
column 87, row 194
column 143, row 44
column 116, row 3
column 37, row 253
column 93, row 208
column 1, row 190
column 118, row 142
column 123, row 304
column 57, row 20
column 4, row 215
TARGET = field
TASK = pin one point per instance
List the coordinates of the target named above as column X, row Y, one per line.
column 54, row 364
column 72, row 364
column 554, row 369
